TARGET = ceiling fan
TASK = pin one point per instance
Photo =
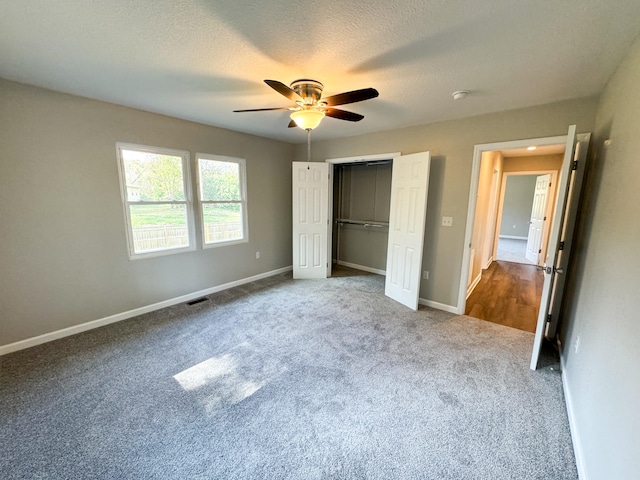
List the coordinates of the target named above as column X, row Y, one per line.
column 310, row 108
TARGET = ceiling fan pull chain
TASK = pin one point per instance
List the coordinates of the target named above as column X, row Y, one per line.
column 308, row 148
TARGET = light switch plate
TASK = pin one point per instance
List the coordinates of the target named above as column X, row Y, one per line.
column 447, row 221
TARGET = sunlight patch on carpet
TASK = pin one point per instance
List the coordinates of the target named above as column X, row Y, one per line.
column 219, row 382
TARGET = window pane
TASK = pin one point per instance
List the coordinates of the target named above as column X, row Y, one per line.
column 219, row 180
column 153, row 177
column 222, row 222
column 159, row 227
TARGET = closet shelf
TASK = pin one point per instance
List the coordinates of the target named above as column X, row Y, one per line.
column 364, row 223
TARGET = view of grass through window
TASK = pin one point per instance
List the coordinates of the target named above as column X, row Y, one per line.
column 158, row 205
column 157, row 201
column 221, row 199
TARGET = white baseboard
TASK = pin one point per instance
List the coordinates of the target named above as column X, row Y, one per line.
column 488, row 264
column 83, row 327
column 575, row 435
column 438, row 305
column 474, row 284
column 513, row 237
column 362, row 267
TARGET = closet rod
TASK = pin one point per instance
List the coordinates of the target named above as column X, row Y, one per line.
column 344, row 221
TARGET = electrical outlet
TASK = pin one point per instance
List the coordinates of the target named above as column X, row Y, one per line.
column 257, row 255
column 425, row 275
column 447, row 221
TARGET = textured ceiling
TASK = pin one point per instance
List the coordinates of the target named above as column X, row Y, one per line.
column 201, row 59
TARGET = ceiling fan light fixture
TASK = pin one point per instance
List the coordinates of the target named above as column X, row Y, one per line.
column 307, row 119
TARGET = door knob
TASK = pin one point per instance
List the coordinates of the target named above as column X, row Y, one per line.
column 558, row 270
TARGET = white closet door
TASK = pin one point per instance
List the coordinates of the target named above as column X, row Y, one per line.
column 409, row 187
column 310, row 219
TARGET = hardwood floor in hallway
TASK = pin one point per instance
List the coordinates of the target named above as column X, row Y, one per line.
column 508, row 294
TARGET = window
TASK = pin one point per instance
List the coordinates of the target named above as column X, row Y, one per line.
column 222, row 193
column 157, row 202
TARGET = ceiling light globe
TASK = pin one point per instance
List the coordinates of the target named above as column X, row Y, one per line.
column 307, row 119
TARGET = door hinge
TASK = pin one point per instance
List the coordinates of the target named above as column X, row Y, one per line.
column 575, row 165
column 540, row 251
column 561, row 246
column 548, row 317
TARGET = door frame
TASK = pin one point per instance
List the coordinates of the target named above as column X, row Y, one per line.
column 488, row 245
column 337, row 161
column 478, row 150
column 551, row 202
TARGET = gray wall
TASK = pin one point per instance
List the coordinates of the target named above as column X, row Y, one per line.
column 63, row 253
column 516, row 209
column 451, row 144
column 600, row 338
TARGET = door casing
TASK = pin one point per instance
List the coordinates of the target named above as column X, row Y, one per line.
column 549, row 210
column 478, row 150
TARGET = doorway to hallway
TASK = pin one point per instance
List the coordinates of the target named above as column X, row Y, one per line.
column 508, row 294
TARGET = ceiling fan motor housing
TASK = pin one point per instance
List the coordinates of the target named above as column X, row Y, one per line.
column 309, row 90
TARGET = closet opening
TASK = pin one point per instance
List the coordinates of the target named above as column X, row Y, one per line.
column 360, row 214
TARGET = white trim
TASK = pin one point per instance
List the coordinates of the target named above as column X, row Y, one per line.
column 83, row 327
column 362, row 267
column 489, row 262
column 478, row 150
column 437, row 305
column 364, row 158
column 578, row 451
column 513, row 237
column 474, row 284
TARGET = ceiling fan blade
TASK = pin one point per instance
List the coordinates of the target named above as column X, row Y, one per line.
column 282, row 89
column 343, row 115
column 292, row 124
column 351, row 97
column 262, row 109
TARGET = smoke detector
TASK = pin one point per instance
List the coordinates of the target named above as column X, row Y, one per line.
column 460, row 94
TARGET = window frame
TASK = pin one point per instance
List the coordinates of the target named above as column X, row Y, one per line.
column 126, row 204
column 242, row 172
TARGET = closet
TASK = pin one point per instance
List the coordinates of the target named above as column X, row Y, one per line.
column 361, row 199
column 354, row 212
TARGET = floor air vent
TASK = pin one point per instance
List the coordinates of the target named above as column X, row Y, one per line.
column 198, row 300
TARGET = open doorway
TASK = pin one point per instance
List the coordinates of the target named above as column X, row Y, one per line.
column 524, row 213
column 511, row 232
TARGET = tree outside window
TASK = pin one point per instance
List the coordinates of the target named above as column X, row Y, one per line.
column 221, row 182
column 156, row 198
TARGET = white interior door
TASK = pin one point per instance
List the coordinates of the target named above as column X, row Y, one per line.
column 560, row 239
column 409, row 187
column 310, row 219
column 538, row 217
